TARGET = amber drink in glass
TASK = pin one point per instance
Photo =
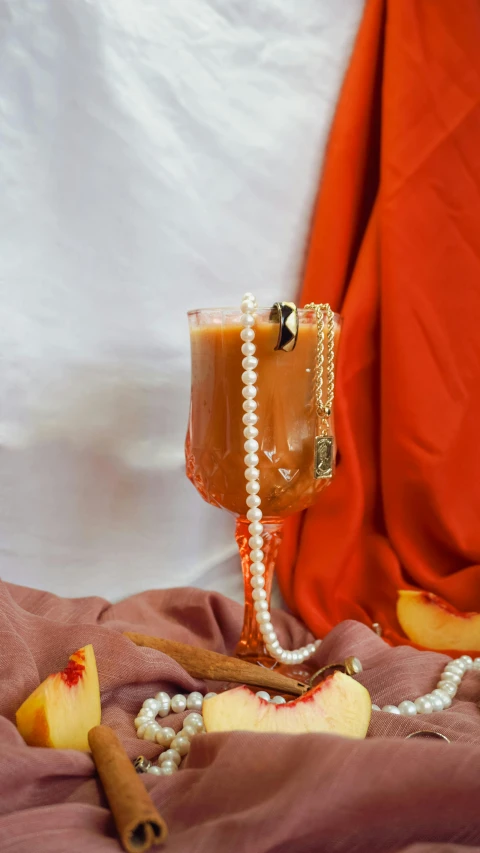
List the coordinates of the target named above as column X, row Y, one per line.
column 287, row 427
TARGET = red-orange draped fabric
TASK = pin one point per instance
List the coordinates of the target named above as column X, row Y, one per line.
column 395, row 248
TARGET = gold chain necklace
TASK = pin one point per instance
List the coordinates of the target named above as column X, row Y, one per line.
column 323, row 464
column 287, row 317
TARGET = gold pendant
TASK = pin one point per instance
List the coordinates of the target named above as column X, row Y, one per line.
column 323, row 457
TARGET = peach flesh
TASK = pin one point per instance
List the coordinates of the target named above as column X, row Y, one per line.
column 63, row 708
column 338, row 705
column 433, row 623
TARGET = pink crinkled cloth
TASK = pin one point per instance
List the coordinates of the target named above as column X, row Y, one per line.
column 238, row 792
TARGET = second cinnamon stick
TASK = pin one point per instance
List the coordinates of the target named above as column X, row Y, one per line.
column 212, row 666
column 138, row 823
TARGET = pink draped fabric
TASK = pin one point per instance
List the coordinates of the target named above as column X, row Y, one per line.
column 239, row 792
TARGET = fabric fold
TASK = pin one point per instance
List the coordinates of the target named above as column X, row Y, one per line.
column 395, row 247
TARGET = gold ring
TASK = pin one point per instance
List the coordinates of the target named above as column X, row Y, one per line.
column 350, row 666
column 428, row 733
column 286, row 315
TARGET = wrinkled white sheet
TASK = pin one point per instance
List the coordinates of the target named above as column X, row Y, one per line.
column 155, row 156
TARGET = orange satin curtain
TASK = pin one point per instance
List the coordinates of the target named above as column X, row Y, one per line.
column 395, row 247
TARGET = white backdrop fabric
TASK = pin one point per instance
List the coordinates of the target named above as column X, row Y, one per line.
column 155, row 156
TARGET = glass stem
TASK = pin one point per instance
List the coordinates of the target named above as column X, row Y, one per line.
column 251, row 645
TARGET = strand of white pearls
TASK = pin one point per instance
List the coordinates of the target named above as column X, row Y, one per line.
column 176, row 745
column 252, row 475
column 443, row 694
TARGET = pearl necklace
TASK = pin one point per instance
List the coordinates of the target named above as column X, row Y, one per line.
column 254, row 513
column 177, row 745
column 443, row 694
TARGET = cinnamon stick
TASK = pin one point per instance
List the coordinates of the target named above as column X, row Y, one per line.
column 138, row 823
column 212, row 666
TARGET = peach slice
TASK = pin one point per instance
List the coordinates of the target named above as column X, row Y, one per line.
column 64, row 707
column 338, row 705
column 431, row 622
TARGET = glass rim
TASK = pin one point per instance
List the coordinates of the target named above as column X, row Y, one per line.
column 260, row 310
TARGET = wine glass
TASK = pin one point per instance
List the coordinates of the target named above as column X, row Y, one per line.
column 288, row 424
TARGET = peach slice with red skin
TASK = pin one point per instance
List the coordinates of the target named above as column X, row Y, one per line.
column 64, row 707
column 338, row 705
column 431, row 622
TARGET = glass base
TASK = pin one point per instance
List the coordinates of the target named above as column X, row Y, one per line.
column 298, row 671
column 260, row 657
column 251, row 646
